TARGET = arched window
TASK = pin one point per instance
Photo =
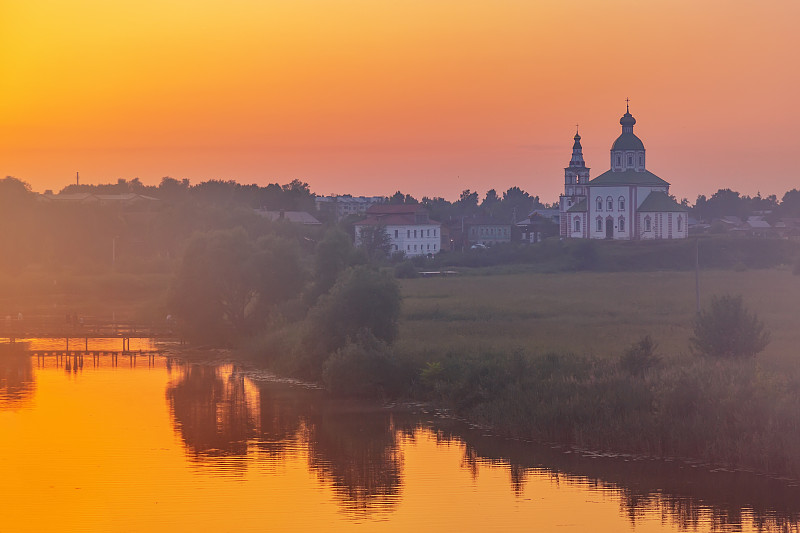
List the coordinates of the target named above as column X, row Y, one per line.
column 577, row 224
column 680, row 223
column 647, row 223
column 621, row 223
column 609, row 204
column 599, row 223
column 599, row 204
column 621, row 203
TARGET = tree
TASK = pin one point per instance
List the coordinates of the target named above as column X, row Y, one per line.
column 226, row 284
column 362, row 299
column 375, row 241
column 728, row 330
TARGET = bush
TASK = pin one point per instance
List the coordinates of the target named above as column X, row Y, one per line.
column 640, row 357
column 727, row 329
column 362, row 298
column 364, row 367
column 405, row 270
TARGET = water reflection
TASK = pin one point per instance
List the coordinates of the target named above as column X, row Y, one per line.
column 689, row 496
column 17, row 384
column 211, row 411
column 355, row 452
column 358, row 452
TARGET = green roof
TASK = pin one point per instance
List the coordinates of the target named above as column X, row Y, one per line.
column 628, row 177
column 580, row 206
column 628, row 141
column 660, row 202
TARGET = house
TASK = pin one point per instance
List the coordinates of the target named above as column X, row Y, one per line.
column 540, row 224
column 627, row 202
column 341, row 206
column 294, row 217
column 486, row 231
column 409, row 229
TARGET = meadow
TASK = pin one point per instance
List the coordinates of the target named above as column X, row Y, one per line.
column 598, row 314
column 540, row 356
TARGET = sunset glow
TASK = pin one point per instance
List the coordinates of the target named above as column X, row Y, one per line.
column 369, row 97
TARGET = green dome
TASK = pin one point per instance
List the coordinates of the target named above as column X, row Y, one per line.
column 628, row 141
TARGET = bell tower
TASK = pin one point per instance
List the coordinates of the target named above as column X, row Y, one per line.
column 576, row 179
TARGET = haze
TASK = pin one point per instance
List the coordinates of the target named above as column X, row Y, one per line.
column 369, row 97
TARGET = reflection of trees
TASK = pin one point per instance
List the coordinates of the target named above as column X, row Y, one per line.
column 17, row 384
column 211, row 411
column 687, row 497
column 356, row 452
column 359, row 454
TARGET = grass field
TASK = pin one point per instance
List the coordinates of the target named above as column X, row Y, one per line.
column 586, row 313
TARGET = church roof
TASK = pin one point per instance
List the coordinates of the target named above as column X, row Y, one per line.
column 579, row 207
column 628, row 177
column 628, row 141
column 660, row 202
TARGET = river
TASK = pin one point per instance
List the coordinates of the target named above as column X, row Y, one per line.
column 164, row 444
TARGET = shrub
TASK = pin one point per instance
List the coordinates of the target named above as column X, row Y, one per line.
column 640, row 357
column 727, row 329
column 405, row 270
column 362, row 298
column 363, row 367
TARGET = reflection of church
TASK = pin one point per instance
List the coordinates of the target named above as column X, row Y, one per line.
column 627, row 202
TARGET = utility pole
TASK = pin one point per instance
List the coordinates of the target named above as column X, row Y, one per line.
column 697, row 274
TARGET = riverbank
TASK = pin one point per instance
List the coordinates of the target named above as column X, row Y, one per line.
column 539, row 356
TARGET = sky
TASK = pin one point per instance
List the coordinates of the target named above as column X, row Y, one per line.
column 429, row 97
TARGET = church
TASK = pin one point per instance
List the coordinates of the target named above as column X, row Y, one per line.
column 627, row 202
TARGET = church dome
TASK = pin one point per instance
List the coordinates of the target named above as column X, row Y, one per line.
column 627, row 119
column 628, row 141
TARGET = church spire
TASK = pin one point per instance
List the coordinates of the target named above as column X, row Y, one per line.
column 577, row 151
column 627, row 121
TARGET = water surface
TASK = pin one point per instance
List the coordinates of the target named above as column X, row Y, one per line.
column 165, row 445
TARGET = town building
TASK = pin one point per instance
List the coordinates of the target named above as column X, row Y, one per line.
column 409, row 229
column 627, row 202
column 294, row 217
column 341, row 206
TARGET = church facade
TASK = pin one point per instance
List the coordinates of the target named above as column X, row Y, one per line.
column 627, row 202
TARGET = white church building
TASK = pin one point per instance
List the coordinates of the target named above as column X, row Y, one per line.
column 627, row 202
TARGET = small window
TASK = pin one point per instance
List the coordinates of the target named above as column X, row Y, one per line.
column 621, row 203
column 599, row 204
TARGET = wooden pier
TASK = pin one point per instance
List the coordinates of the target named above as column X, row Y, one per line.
column 74, row 353
column 75, row 358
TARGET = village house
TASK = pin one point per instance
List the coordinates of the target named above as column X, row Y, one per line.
column 409, row 229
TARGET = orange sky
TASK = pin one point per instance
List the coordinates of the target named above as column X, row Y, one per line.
column 367, row 97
